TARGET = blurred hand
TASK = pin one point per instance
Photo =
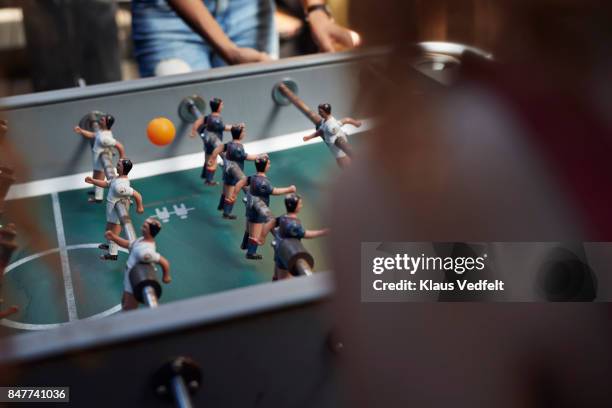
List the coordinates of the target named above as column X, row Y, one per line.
column 166, row 279
column 77, row 130
column 140, row 209
column 88, row 180
column 245, row 55
column 292, row 188
column 109, row 235
column 287, row 25
column 328, row 35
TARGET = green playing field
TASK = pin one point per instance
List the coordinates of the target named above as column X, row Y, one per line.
column 69, row 281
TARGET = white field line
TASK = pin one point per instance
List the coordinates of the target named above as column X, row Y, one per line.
column 63, row 253
column 31, row 326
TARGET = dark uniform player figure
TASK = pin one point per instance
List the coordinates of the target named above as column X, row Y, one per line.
column 233, row 172
column 288, row 226
column 210, row 128
column 258, row 201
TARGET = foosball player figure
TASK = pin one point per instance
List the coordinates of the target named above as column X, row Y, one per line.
column 142, row 250
column 330, row 129
column 257, row 211
column 233, row 172
column 288, row 226
column 210, row 128
column 119, row 189
column 102, row 141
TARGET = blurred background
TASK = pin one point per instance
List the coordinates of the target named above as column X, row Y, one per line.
column 517, row 150
column 55, row 44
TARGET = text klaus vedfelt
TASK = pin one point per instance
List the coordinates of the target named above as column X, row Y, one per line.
column 414, row 264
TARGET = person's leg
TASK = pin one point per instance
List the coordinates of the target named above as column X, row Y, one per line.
column 98, row 174
column 253, row 243
column 113, row 224
column 205, row 165
column 245, row 237
column 163, row 43
column 209, row 172
column 262, row 237
column 223, row 195
column 113, row 248
column 343, row 144
column 128, row 301
column 109, row 227
column 228, row 204
column 341, row 157
column 250, row 23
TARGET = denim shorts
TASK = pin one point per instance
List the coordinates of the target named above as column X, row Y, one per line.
column 159, row 34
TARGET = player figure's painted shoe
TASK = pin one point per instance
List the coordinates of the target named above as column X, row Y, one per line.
column 211, row 183
column 94, row 201
column 109, row 257
column 229, row 216
column 256, row 256
column 103, row 247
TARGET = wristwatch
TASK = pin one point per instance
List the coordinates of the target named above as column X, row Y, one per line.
column 315, row 7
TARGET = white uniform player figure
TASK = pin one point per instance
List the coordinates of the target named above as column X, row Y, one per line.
column 142, row 250
column 119, row 189
column 330, row 129
column 103, row 140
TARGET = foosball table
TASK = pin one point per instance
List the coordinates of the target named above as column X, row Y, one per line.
column 224, row 335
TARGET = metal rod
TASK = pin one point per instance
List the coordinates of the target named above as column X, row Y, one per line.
column 126, row 221
column 179, row 390
column 300, row 104
column 302, row 267
column 193, row 108
column 120, row 207
column 149, row 296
